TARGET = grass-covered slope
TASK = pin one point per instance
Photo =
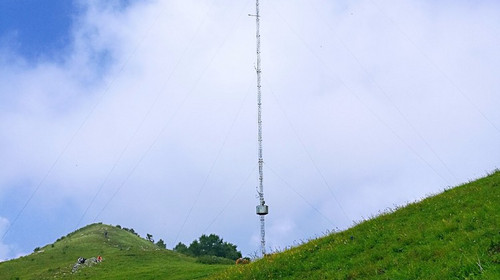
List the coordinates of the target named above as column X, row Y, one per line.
column 125, row 256
column 453, row 235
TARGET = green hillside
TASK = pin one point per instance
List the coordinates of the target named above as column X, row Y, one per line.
column 125, row 256
column 453, row 235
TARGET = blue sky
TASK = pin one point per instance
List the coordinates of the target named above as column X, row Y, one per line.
column 142, row 113
column 37, row 28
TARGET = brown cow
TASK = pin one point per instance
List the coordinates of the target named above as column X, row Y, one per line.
column 243, row 261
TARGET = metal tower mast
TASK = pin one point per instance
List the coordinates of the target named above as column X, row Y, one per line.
column 262, row 208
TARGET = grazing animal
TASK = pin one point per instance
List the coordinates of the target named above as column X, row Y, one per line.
column 243, row 261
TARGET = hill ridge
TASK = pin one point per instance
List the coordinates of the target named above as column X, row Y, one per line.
column 125, row 255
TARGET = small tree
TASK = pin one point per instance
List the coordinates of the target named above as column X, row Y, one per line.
column 149, row 237
column 194, row 248
column 230, row 252
column 161, row 244
column 181, row 248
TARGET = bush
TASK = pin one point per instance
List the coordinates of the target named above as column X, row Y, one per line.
column 36, row 249
column 161, row 244
column 131, row 230
column 211, row 245
column 181, row 248
column 213, row 260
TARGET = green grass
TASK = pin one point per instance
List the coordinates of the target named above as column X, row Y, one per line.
column 453, row 235
column 125, row 256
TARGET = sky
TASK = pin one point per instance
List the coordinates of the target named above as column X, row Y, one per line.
column 144, row 114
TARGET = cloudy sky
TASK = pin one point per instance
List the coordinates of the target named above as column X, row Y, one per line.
column 142, row 113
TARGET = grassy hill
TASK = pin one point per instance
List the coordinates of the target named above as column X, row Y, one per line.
column 453, row 235
column 125, row 256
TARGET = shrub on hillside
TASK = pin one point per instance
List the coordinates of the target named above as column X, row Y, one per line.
column 161, row 244
column 131, row 230
column 181, row 248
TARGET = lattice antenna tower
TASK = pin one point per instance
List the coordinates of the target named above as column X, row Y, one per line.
column 262, row 209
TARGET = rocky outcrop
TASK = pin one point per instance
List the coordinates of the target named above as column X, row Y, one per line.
column 82, row 262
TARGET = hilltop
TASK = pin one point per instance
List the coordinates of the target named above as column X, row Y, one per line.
column 124, row 256
column 453, row 235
